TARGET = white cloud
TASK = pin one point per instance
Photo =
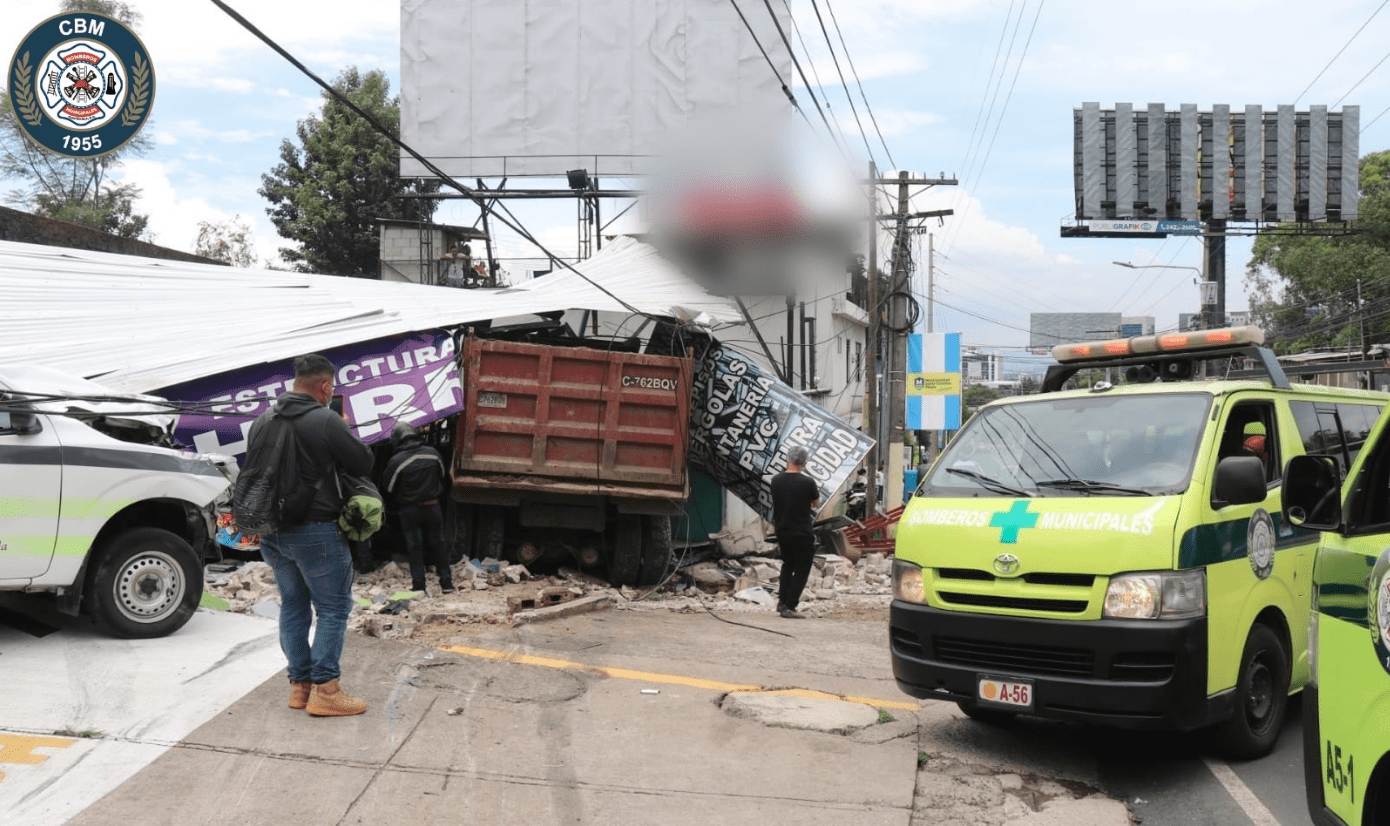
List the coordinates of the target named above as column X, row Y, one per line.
column 174, row 217
column 1067, row 261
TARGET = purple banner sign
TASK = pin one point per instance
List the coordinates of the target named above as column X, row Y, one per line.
column 408, row 378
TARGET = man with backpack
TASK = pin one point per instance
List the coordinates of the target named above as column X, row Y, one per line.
column 305, row 546
column 415, row 478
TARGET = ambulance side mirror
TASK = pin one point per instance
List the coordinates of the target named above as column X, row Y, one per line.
column 1312, row 493
column 1240, row 480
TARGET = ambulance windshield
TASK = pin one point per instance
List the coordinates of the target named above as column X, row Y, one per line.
column 1099, row 445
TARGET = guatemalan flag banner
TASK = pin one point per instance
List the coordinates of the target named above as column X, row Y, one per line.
column 933, row 381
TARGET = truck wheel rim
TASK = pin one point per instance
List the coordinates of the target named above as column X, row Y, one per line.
column 149, row 587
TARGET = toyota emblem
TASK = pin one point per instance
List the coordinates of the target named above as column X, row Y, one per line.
column 1006, row 564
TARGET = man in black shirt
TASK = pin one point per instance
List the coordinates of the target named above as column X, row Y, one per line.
column 794, row 498
column 415, row 479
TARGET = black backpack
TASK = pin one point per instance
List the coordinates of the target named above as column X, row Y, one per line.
column 269, row 495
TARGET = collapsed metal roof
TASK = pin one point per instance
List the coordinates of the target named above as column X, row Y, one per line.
column 139, row 324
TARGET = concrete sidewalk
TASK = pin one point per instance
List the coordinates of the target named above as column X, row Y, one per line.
column 453, row 738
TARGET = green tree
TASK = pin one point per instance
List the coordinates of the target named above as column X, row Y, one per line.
column 1317, row 290
column 228, row 241
column 73, row 189
column 328, row 192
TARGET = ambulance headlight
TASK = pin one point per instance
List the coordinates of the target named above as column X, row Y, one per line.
column 907, row 582
column 1157, row 595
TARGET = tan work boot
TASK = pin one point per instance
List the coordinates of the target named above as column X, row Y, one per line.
column 299, row 693
column 328, row 700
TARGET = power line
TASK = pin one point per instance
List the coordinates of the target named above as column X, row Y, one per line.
column 968, row 162
column 783, row 34
column 843, row 84
column 857, row 82
column 1362, row 80
column 807, row 51
column 1018, row 69
column 1339, row 52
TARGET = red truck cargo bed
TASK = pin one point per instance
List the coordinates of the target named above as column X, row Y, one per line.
column 572, row 420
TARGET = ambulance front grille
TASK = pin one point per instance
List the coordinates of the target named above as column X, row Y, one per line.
column 1013, row 658
column 1036, row 578
column 1055, row 606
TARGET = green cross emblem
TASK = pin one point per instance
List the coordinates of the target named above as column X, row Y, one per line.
column 1011, row 520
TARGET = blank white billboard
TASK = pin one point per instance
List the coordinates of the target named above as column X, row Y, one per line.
column 493, row 88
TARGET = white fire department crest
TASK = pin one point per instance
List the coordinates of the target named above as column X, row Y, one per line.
column 1259, row 543
column 83, row 84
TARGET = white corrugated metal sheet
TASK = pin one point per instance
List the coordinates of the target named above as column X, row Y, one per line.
column 139, row 324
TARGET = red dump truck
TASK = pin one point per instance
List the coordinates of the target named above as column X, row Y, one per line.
column 572, row 451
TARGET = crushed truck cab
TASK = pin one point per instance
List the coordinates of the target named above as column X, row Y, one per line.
column 96, row 506
column 1117, row 554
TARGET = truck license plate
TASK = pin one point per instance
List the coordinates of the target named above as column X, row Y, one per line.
column 1013, row 693
column 498, row 400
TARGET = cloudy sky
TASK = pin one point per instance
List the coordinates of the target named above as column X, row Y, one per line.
column 979, row 89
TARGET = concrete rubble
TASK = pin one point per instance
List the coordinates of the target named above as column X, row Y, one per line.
column 496, row 593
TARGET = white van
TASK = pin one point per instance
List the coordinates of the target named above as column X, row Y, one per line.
column 96, row 505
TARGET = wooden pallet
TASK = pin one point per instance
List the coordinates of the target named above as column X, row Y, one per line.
column 873, row 533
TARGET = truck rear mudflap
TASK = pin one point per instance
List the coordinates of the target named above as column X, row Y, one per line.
column 1113, row 672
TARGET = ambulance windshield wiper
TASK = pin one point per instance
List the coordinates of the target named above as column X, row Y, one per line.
column 988, row 482
column 1092, row 486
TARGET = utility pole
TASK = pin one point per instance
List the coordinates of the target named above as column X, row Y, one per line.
column 900, row 296
column 871, row 402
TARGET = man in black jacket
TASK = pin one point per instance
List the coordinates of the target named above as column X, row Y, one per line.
column 311, row 560
column 795, row 497
column 415, row 478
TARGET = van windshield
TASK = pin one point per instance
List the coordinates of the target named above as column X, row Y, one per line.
column 1092, row 446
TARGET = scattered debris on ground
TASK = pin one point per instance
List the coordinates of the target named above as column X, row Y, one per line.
column 493, row 592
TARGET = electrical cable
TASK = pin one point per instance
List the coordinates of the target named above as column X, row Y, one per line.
column 843, row 141
column 857, row 82
column 1005, row 109
column 782, row 33
column 1339, row 52
column 843, row 84
column 480, row 201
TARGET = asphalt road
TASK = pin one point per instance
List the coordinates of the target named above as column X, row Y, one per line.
column 88, row 729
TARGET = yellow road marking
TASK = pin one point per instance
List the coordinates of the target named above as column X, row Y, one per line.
column 671, row 679
column 18, row 749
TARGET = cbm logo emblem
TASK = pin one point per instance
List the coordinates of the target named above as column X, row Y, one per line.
column 81, row 84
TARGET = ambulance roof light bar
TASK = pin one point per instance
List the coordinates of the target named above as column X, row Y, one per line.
column 1168, row 344
column 1166, row 349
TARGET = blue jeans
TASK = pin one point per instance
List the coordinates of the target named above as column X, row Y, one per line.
column 313, row 569
column 423, row 526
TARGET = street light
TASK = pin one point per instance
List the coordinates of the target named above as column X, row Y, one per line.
column 1208, row 288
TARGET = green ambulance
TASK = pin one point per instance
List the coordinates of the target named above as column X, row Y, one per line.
column 1346, row 703
column 97, row 508
column 1117, row 554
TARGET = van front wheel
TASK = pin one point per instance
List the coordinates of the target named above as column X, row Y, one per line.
column 1261, row 698
column 147, row 583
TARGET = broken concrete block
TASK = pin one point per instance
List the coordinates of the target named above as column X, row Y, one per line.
column 710, row 578
column 825, row 593
column 480, row 584
column 744, row 582
column 516, row 573
column 756, row 595
column 596, row 602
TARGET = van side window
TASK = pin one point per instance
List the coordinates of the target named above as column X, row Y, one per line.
column 1250, row 431
column 1337, row 430
column 1368, row 507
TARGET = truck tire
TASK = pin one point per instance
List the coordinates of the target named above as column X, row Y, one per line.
column 625, row 556
column 147, row 583
column 656, row 549
column 1261, row 698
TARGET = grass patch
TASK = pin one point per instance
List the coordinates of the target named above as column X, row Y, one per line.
column 922, row 758
column 885, row 717
column 85, row 734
